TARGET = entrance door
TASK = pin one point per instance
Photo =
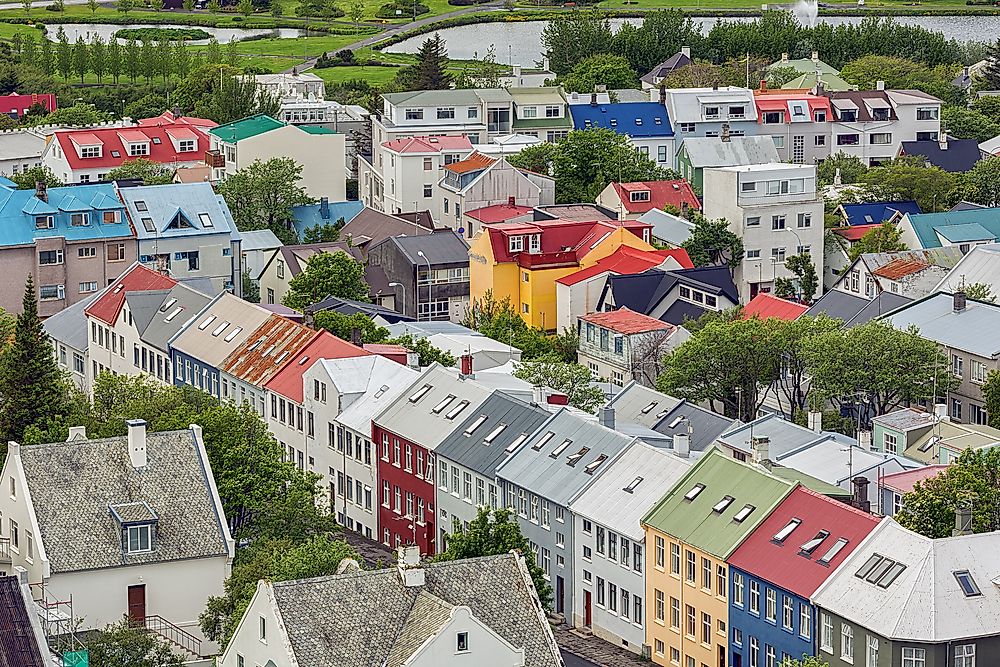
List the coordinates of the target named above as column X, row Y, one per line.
column 754, row 289
column 137, row 604
column 586, row 609
column 560, row 590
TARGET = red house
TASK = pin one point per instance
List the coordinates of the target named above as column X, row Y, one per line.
column 16, row 106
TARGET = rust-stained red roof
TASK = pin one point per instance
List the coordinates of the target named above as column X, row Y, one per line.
column 625, row 321
column 324, row 345
column 474, row 162
column 900, row 268
column 274, row 344
column 136, row 279
column 676, row 193
column 765, row 306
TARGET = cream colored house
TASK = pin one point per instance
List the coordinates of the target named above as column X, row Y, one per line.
column 288, row 261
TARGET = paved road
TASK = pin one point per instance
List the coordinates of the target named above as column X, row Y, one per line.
column 576, row 661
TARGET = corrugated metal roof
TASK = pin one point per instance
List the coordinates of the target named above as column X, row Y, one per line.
column 980, row 265
column 69, row 325
column 157, row 329
column 228, row 323
column 136, row 278
column 623, row 493
column 367, row 384
column 738, row 151
column 287, row 381
column 972, row 330
column 274, row 343
column 639, row 404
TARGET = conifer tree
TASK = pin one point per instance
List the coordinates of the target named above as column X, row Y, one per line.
column 430, row 71
column 991, row 73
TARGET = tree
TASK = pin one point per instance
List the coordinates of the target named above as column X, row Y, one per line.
column 805, row 661
column 251, row 289
column 427, row 354
column 324, row 233
column 430, row 71
column 850, row 168
column 933, row 188
column 26, row 5
column 181, row 59
column 903, row 74
column 231, row 96
column 356, row 13
column 98, row 56
column 571, row 379
column 661, row 35
column 262, row 195
column 47, row 57
column 93, row 6
column 147, row 106
column 982, row 183
column 499, row 320
column 115, row 60
column 575, row 36
column 805, row 273
column 142, row 169
column 124, row 644
column 884, row 238
column 712, row 243
column 133, row 59
column 32, row 389
column 980, row 292
column 587, row 160
column 64, row 54
column 991, row 397
column 188, row 5
column 213, row 54
column 276, row 9
column 484, row 72
column 213, row 6
column 245, row 7
column 125, row 6
column 327, row 274
column 794, row 339
column 732, row 72
column 991, row 73
column 963, row 123
column 611, row 71
column 26, row 180
column 973, row 482
column 491, row 533
column 148, row 62
column 81, row 58
column 80, row 113
column 345, row 327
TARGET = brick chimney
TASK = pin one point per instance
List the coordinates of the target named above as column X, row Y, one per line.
column 958, row 301
column 42, row 191
column 860, row 498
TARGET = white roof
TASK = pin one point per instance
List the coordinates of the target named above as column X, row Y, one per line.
column 980, row 265
column 972, row 330
column 606, row 501
column 668, row 227
column 684, row 104
column 836, row 462
column 372, row 381
column 259, row 239
column 991, row 146
column 773, row 166
column 459, row 344
column 925, row 602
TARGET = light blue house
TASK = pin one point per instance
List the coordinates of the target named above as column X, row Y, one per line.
column 964, row 229
column 186, row 230
column 710, row 112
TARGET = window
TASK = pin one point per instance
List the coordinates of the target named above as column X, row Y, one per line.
column 89, row 251
column 50, row 257
column 428, row 191
column 753, row 253
column 659, row 551
column 116, row 252
column 848, row 140
column 746, row 511
column 414, row 114
column 139, row 539
column 914, row 657
column 48, row 292
column 754, row 652
column 930, row 113
column 446, row 113
column 90, row 151
column 706, row 574
column 262, row 625
column 754, row 596
column 612, row 597
column 965, row 655
column 693, row 493
column 769, row 657
column 706, row 628
column 675, row 559
column 826, row 632
column 675, row 613
column 138, row 149
column 880, row 138
column 516, row 243
column 689, row 572
column 803, row 220
column 771, row 605
column 777, row 222
column 778, row 254
column 87, row 287
column 871, row 655
column 787, row 612
column 967, row 583
column 978, row 370
column 819, row 140
column 738, row 589
column 689, row 621
column 956, row 408
column 78, row 220
column 846, row 643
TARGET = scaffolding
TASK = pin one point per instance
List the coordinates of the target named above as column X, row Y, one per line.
column 58, row 624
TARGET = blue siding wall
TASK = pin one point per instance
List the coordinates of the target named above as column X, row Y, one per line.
column 193, row 372
column 749, row 628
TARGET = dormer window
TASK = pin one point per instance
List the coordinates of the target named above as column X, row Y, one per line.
column 639, row 195
column 139, row 539
column 711, row 112
column 516, row 243
column 90, row 151
column 110, row 217
column 535, row 243
column 187, row 146
column 43, row 222
column 137, row 150
column 819, row 116
column 137, row 523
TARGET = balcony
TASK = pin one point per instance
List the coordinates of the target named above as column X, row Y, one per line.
column 4, row 550
column 215, row 159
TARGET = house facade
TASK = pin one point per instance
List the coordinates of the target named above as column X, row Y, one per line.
column 632, row 200
column 617, row 345
column 671, row 296
column 710, row 112
column 797, row 121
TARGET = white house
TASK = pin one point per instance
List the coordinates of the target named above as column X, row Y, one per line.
column 776, row 210
column 477, row 113
column 403, row 174
column 872, row 124
column 128, row 526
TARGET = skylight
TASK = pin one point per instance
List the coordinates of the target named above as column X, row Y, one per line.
column 676, row 421
column 812, row 544
column 206, row 220
column 632, row 485
column 573, row 459
column 147, row 224
column 233, row 334
column 208, row 321
column 518, row 441
column 542, row 441
column 443, row 404
column 560, row 449
column 166, row 304
column 595, row 464
column 833, row 551
column 649, row 408
column 378, row 394
column 967, row 583
column 257, row 343
column 869, row 564
column 787, row 530
column 140, row 205
column 744, row 513
column 174, row 313
column 304, row 359
column 492, row 435
column 281, row 357
column 457, row 410
column 890, row 575
column 219, row 329
column 693, row 493
column 419, row 393
column 476, row 424
column 721, row 506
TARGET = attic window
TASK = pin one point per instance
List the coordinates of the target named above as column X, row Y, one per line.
column 658, row 121
column 693, row 493
column 614, row 122
column 139, row 539
column 573, row 459
column 649, row 408
column 833, row 551
column 869, row 220
column 782, row 534
column 480, row 420
column 118, row 154
column 268, row 351
column 257, row 343
column 721, row 506
column 638, row 121
column 591, row 467
column 206, row 220
column 419, row 393
column 208, row 321
column 166, row 304
column 868, row 566
column 147, row 224
column 219, row 329
column 543, row 441
column 810, row 546
column 518, row 441
column 137, row 522
column 494, row 433
column 443, row 404
column 742, row 515
column 281, row 357
column 675, row 422
column 560, row 449
column 639, row 195
column 967, row 583
column 457, row 410
column 885, row 573
column 174, row 313
column 632, row 485
column 140, row 205
column 233, row 334
column 156, row 140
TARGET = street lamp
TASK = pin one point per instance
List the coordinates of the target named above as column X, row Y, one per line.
column 420, row 253
column 402, row 288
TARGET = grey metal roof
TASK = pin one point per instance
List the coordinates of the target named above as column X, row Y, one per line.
column 972, row 330
column 210, row 347
column 425, row 329
column 441, row 247
column 555, row 478
column 606, row 499
column 738, row 151
column 667, row 227
column 73, row 484
column 640, row 404
column 473, row 452
column 152, row 306
column 837, row 305
column 430, row 98
column 884, row 303
column 785, row 436
column 704, row 426
column 359, row 617
column 259, row 239
column 980, row 265
column 367, row 384
column 905, row 419
column 69, row 325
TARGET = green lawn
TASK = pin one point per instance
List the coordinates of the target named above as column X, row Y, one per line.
column 376, row 76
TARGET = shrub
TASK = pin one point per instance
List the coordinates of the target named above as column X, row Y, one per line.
column 157, row 34
column 389, row 9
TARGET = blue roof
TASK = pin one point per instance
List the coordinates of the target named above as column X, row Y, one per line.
column 874, row 213
column 18, row 209
column 177, row 210
column 7, row 183
column 972, row 231
column 311, row 215
column 927, row 226
column 633, row 119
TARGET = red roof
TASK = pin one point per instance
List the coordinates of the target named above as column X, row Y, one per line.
column 777, row 100
column 431, row 144
column 854, row 233
column 765, row 306
column 627, row 260
column 625, row 321
column 324, row 345
column 782, row 563
column 153, row 131
column 474, row 162
column 900, row 268
column 563, row 242
column 676, row 193
column 18, row 104
column 903, row 482
column 136, row 279
column 498, row 213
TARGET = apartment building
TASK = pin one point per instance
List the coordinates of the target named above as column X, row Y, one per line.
column 872, row 124
column 403, row 173
column 707, row 112
column 797, row 121
column 622, row 345
column 540, row 112
column 778, row 212
column 646, row 125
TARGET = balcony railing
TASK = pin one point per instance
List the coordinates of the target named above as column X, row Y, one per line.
column 215, row 158
column 4, row 549
column 173, row 634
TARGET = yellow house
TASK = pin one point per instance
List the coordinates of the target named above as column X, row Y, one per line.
column 693, row 530
column 523, row 260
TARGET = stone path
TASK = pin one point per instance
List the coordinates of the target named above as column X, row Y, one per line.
column 594, row 650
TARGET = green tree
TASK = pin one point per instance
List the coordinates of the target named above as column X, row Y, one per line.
column 484, row 72
column 804, row 661
column 125, row 6
column 47, row 57
column 81, row 58
column 980, row 292
column 571, row 379
column 491, row 533
column 188, row 5
column 115, row 56
column 324, row 233
column 181, row 59
column 794, row 339
column 963, row 123
column 93, row 6
column 973, row 481
column 905, row 74
column 213, row 54
column 32, row 389
column 991, row 397
column 327, row 274
column 122, row 644
column 276, row 9
column 356, row 13
column 805, row 275
column 29, row 50
column 661, row 35
column 64, row 54
column 587, row 160
column 982, row 183
column 732, row 72
column 431, row 70
column 149, row 64
column 933, row 188
column 245, row 7
column 98, row 57
column 147, row 171
column 233, row 96
column 885, row 238
column 343, row 326
column 575, row 36
column 427, row 354
column 850, row 167
column 26, row 5
column 133, row 59
column 156, row 5
column 213, row 6
column 712, row 243
column 147, row 106
column 251, row 289
column 611, row 71
column 78, row 114
column 262, row 195
column 991, row 73
column 26, row 180
column 499, row 320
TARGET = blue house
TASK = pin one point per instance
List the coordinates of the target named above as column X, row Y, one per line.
column 962, row 228
column 875, row 213
column 776, row 570
column 645, row 124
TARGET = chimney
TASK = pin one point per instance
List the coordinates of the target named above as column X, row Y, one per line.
column 408, row 565
column 761, row 450
column 413, row 359
column 516, row 71
column 607, row 416
column 943, row 141
column 539, row 395
column 13, row 448
column 815, row 56
column 784, row 57
column 684, row 209
column 880, row 85
column 941, row 412
column 324, row 208
column 958, row 301
column 860, row 498
column 682, row 445
column 42, row 191
column 725, row 133
column 545, row 64
column 176, row 112
column 137, row 442
column 466, row 361
column 663, row 95
column 77, row 433
column 963, row 518
column 965, row 72
column 865, row 440
column 815, row 421
column 511, row 201
column 837, row 178
column 686, row 51
column 356, row 336
column 763, row 85
column 593, row 98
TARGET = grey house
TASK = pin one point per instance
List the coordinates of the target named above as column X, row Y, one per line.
column 904, row 599
column 544, row 475
column 475, row 453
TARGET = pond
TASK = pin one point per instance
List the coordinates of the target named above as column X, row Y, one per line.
column 521, row 43
column 223, row 35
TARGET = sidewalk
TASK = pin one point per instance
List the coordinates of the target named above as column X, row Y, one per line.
column 595, row 650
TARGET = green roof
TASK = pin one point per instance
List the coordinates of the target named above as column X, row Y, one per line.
column 541, row 123
column 808, row 80
column 805, row 66
column 245, row 128
column 315, row 129
column 695, row 522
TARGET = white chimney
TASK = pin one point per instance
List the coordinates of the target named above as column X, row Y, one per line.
column 13, row 448
column 682, row 445
column 880, row 85
column 865, row 440
column 77, row 433
column 408, row 565
column 686, row 51
column 784, row 57
column 137, row 442
column 516, row 71
column 607, row 416
column 941, row 412
column 815, row 421
column 815, row 56
column 761, row 449
column 545, row 64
